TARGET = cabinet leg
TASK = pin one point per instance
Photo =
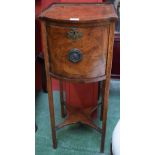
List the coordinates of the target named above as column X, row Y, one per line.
column 49, row 86
column 107, row 84
column 51, row 108
column 105, row 94
column 62, row 100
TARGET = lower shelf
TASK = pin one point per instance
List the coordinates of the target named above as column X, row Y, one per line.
column 78, row 115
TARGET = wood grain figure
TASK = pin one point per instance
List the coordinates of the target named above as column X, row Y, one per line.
column 78, row 47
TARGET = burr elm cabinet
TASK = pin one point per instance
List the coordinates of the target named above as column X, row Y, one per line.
column 78, row 47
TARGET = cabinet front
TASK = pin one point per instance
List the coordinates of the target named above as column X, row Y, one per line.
column 77, row 52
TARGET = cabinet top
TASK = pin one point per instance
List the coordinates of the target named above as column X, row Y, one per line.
column 79, row 13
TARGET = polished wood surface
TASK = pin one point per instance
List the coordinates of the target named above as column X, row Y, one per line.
column 93, row 36
column 93, row 46
column 106, row 85
column 83, row 12
column 78, row 115
column 49, row 87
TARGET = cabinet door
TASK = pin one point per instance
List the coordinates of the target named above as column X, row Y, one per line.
column 77, row 57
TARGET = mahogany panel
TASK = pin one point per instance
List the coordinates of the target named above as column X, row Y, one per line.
column 84, row 12
column 93, row 47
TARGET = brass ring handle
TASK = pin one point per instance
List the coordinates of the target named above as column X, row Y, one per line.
column 74, row 55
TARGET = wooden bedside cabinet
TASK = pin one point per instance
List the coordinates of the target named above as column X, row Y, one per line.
column 78, row 45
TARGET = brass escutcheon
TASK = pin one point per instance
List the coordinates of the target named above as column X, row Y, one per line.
column 74, row 34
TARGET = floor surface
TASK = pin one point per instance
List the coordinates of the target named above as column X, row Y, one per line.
column 74, row 139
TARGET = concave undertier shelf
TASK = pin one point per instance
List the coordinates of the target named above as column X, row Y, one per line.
column 78, row 115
